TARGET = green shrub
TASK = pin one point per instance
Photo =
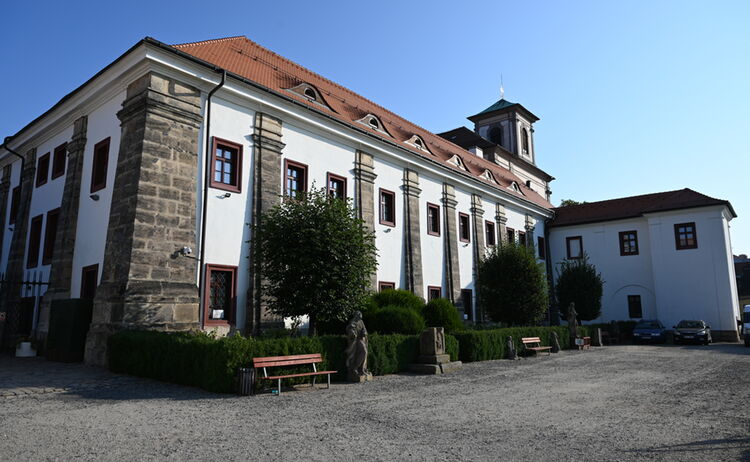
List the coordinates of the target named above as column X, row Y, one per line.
column 402, row 298
column 201, row 360
column 484, row 345
column 394, row 320
column 442, row 313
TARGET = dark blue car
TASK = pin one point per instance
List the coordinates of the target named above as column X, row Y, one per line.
column 650, row 330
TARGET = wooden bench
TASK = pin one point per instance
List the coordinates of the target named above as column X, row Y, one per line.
column 285, row 361
column 536, row 345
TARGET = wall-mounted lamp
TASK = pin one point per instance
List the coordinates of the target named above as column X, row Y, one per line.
column 387, row 230
column 226, row 195
column 94, row 197
column 185, row 251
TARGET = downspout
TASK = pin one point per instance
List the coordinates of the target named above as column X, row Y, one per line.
column 206, row 181
column 23, row 159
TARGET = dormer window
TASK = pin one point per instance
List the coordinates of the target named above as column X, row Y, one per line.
column 458, row 162
column 487, row 175
column 417, row 142
column 374, row 123
column 310, row 93
column 514, row 186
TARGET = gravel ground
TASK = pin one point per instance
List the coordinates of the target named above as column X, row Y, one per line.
column 616, row 403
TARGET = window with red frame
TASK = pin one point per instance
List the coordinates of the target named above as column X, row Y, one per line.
column 434, row 292
column 433, row 220
column 226, row 159
column 574, row 247
column 382, row 285
column 42, row 170
column 15, row 197
column 541, row 248
column 464, row 228
column 467, row 300
column 628, row 243
column 58, row 160
column 99, row 167
column 511, row 235
column 35, row 238
column 336, row 186
column 221, row 294
column 489, row 230
column 89, row 281
column 387, row 208
column 296, row 179
column 50, row 233
column 685, row 236
column 521, row 238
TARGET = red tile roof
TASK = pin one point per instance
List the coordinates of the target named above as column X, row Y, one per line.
column 247, row 59
column 634, row 206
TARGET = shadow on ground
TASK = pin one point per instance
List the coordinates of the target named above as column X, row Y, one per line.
column 706, row 446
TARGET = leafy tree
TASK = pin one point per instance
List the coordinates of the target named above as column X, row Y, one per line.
column 567, row 202
column 580, row 283
column 512, row 286
column 316, row 258
column 440, row 312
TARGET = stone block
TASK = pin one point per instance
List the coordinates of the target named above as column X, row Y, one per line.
column 434, row 359
column 451, row 367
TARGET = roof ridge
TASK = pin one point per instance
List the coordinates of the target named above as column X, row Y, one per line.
column 627, row 198
column 203, row 42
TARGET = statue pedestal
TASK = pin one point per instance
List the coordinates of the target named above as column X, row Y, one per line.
column 360, row 378
column 432, row 358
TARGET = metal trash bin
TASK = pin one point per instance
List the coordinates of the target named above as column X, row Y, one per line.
column 246, row 381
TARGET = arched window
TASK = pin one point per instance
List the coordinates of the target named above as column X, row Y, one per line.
column 496, row 135
column 310, row 93
column 525, row 141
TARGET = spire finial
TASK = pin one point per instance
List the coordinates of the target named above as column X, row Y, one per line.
column 502, row 90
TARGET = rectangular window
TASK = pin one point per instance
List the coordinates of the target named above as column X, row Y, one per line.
column 50, row 233
column 58, row 160
column 89, row 281
column 521, row 238
column 467, row 299
column 433, row 219
column 15, row 197
column 336, row 186
column 383, row 285
column 221, row 296
column 42, row 170
column 489, row 231
column 685, row 236
column 387, row 208
column 541, row 248
column 35, row 238
column 464, row 228
column 629, row 243
column 574, row 245
column 634, row 306
column 511, row 233
column 226, row 158
column 295, row 182
column 434, row 292
column 99, row 167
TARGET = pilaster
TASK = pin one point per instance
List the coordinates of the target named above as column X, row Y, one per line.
column 529, row 226
column 452, row 274
column 267, row 178
column 145, row 283
column 501, row 220
column 477, row 213
column 15, row 268
column 364, row 195
column 412, row 244
column 61, row 270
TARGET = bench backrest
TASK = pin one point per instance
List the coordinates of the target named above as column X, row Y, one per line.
column 272, row 361
column 531, row 340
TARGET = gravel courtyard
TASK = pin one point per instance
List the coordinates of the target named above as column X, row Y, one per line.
column 616, row 403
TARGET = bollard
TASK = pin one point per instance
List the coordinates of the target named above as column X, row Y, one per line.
column 247, row 380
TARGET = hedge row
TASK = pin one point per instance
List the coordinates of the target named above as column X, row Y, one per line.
column 211, row 363
column 485, row 345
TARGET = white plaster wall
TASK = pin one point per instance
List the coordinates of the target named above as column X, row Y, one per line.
column 465, row 249
column 93, row 216
column 433, row 247
column 390, row 240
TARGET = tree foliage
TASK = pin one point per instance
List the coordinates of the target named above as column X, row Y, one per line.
column 512, row 286
column 567, row 202
column 316, row 257
column 440, row 312
column 579, row 282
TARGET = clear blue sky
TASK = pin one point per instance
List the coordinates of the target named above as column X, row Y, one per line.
column 634, row 97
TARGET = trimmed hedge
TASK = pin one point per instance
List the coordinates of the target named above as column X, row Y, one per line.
column 200, row 360
column 394, row 320
column 485, row 345
column 442, row 313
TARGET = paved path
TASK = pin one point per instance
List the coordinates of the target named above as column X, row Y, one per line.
column 617, row 403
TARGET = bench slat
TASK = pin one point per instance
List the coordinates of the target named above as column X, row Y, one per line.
column 291, row 362
column 276, row 377
column 280, row 358
column 531, row 340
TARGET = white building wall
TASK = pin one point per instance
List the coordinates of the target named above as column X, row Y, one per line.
column 433, row 247
column 93, row 215
column 390, row 240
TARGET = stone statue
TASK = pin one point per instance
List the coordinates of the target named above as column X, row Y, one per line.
column 510, row 349
column 356, row 350
column 555, row 341
column 572, row 322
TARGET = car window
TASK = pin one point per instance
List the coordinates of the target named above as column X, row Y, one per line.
column 690, row 325
column 648, row 325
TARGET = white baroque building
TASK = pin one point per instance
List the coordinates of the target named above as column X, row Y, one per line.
column 663, row 256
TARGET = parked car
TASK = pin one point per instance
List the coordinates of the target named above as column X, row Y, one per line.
column 692, row 331
column 649, row 330
column 746, row 325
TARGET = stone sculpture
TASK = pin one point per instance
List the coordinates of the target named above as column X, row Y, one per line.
column 356, row 349
column 555, row 341
column 510, row 349
column 433, row 358
column 572, row 322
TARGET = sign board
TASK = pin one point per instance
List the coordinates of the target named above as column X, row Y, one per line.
column 579, row 341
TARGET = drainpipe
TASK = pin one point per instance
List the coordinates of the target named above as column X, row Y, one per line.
column 206, row 181
column 7, row 148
